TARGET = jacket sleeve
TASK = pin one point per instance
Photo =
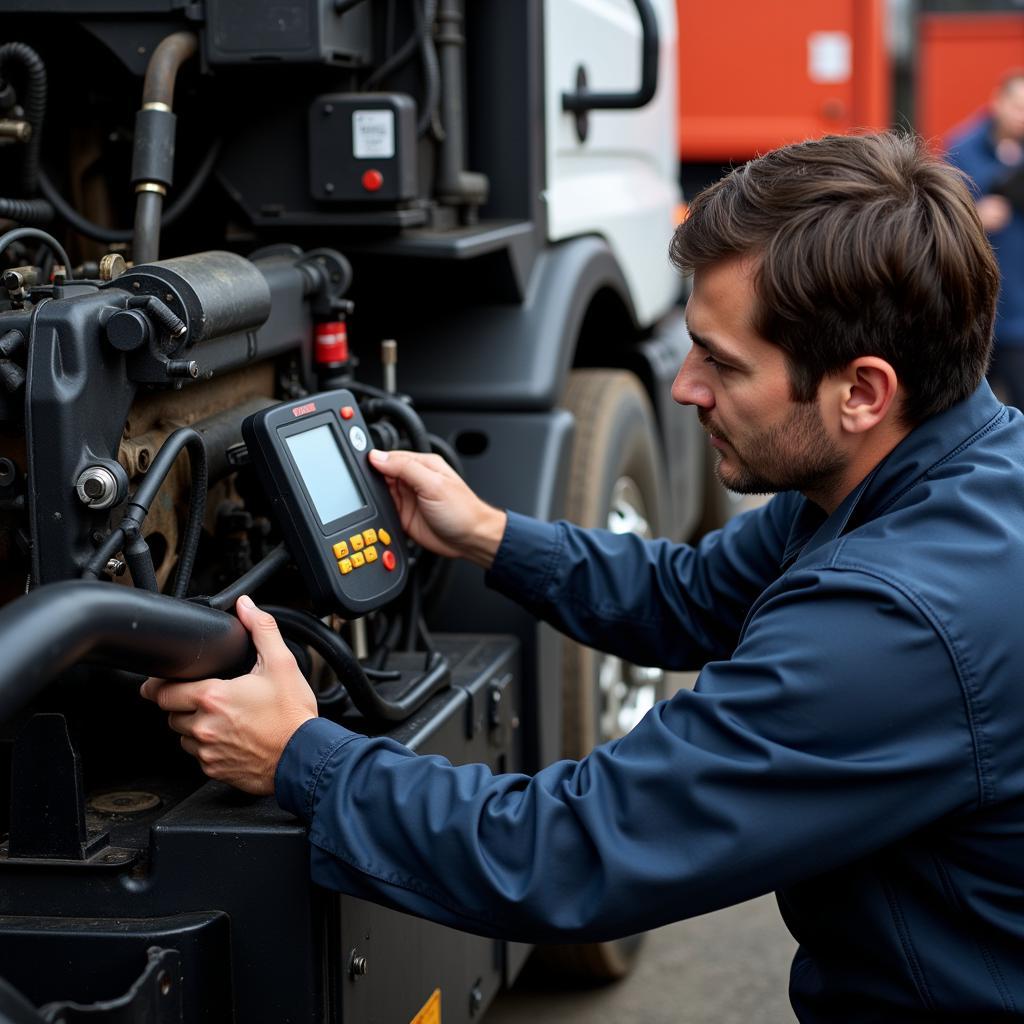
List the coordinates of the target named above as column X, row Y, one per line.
column 837, row 727
column 651, row 602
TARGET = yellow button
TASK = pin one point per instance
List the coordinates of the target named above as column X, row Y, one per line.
column 358, row 559
column 340, row 549
column 384, row 537
column 345, row 565
column 371, row 554
column 370, row 536
column 356, row 541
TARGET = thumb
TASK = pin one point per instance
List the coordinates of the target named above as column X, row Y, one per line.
column 266, row 637
column 414, row 469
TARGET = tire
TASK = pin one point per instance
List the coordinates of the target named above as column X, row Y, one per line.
column 615, row 481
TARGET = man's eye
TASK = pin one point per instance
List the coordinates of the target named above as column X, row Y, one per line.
column 712, row 361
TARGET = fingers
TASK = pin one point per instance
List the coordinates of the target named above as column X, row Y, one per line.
column 172, row 696
column 149, row 689
column 425, row 474
column 266, row 637
column 181, row 722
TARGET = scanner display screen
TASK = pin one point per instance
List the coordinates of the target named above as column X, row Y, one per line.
column 325, row 473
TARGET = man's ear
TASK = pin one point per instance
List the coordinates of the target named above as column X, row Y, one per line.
column 868, row 389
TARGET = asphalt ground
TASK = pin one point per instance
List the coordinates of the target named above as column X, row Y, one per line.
column 730, row 967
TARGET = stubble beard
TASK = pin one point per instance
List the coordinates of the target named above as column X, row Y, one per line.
column 797, row 455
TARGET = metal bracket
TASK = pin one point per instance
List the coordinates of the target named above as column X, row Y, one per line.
column 155, row 998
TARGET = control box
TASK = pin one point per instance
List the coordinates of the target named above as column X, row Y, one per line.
column 362, row 146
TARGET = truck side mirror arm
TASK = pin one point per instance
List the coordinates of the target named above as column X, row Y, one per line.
column 582, row 100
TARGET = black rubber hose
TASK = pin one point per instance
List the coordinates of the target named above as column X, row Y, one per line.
column 34, row 105
column 157, row 92
column 27, row 211
column 441, row 447
column 173, row 212
column 398, row 59
column 139, row 558
column 307, row 628
column 58, row 625
column 146, row 235
column 137, row 507
column 10, row 237
column 425, row 16
column 374, row 408
column 262, row 571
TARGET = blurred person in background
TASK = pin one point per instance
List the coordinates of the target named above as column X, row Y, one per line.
column 991, row 152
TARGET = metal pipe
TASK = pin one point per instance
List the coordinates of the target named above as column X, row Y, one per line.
column 162, row 70
column 59, row 625
column 455, row 185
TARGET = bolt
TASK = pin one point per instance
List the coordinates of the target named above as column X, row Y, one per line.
column 182, row 368
column 476, row 999
column 112, row 266
column 358, row 965
column 97, row 487
column 328, row 187
column 328, row 109
column 115, row 567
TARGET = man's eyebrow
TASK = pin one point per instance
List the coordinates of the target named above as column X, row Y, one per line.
column 712, row 349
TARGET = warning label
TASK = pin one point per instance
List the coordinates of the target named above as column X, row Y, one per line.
column 373, row 134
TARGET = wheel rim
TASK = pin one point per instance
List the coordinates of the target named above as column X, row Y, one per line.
column 627, row 692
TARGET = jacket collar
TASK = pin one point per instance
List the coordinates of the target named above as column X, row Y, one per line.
column 917, row 454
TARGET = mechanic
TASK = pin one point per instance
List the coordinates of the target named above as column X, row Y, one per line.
column 855, row 739
column 990, row 150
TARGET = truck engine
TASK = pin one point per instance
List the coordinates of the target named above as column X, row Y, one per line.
column 213, row 210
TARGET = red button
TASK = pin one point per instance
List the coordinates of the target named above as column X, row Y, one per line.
column 372, row 181
column 389, row 560
column 347, row 412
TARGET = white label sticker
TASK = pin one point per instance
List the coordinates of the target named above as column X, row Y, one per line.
column 828, row 56
column 373, row 134
column 358, row 439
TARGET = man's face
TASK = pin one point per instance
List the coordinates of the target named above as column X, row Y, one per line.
column 765, row 441
column 1008, row 111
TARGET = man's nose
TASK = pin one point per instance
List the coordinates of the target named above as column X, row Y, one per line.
column 689, row 387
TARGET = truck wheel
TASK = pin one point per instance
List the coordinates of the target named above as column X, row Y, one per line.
column 615, row 482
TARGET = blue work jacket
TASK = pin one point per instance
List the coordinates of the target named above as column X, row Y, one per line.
column 855, row 741
column 973, row 151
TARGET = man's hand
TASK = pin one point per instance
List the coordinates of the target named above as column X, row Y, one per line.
column 995, row 213
column 238, row 728
column 437, row 507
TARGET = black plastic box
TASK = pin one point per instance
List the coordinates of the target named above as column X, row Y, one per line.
column 362, row 148
column 290, row 32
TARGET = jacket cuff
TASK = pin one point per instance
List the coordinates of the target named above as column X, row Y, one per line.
column 525, row 559
column 306, row 755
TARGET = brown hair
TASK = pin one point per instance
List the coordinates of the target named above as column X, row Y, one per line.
column 866, row 245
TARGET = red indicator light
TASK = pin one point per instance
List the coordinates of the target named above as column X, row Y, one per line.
column 301, row 410
column 347, row 412
column 372, row 181
column 389, row 560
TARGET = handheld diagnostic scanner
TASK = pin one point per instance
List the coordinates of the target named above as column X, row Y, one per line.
column 334, row 510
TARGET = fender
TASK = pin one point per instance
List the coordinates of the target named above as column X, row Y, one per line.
column 515, row 357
